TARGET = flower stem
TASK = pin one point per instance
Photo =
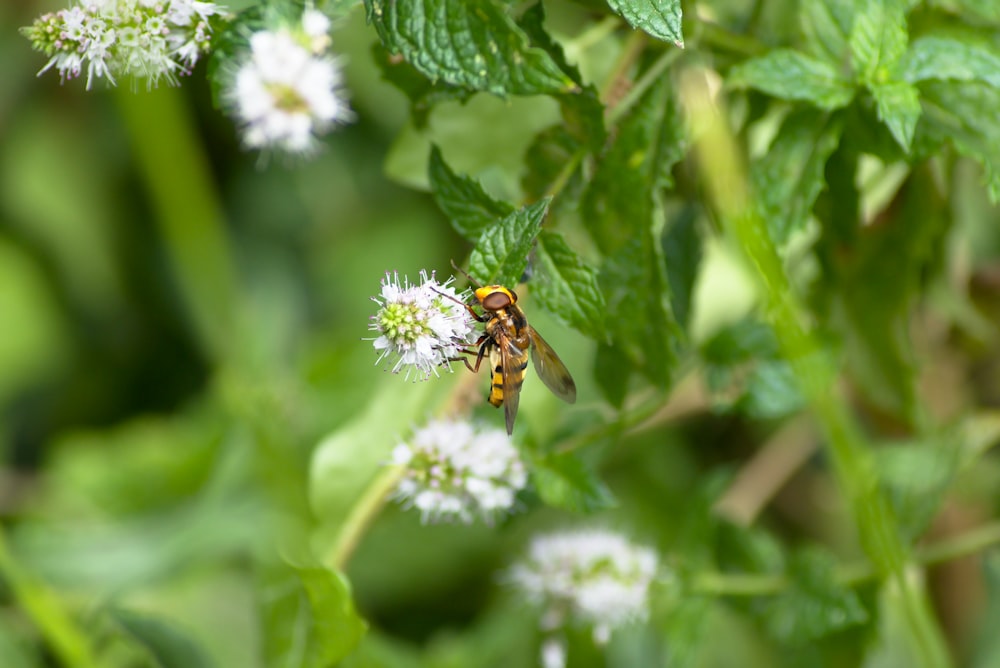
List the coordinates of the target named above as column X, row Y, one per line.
column 363, row 513
column 187, row 209
column 44, row 608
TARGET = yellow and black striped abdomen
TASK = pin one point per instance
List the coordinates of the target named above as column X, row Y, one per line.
column 517, row 363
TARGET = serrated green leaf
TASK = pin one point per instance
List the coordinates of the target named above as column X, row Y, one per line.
column 501, row 253
column 826, row 26
column 898, row 106
column 682, row 252
column 788, row 178
column 469, row 209
column 421, row 91
column 308, row 615
column 565, row 481
column 170, row 646
column 659, row 18
column 878, row 39
column 475, row 45
column 816, row 605
column 566, row 286
column 950, row 59
column 963, row 114
column 792, row 75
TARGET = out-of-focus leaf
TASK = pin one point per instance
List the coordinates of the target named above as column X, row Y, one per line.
column 963, row 115
column 986, row 652
column 612, row 371
column 308, row 617
column 815, row 605
column 469, row 209
column 792, row 75
column 826, row 25
column 166, row 642
column 565, row 481
column 897, row 643
column 945, row 58
column 898, row 104
column 661, row 19
column 682, row 623
column 788, row 178
column 473, row 45
column 916, row 478
column 566, row 286
column 545, row 161
column 422, row 92
column 501, row 254
column 878, row 39
column 682, row 251
column 15, row 651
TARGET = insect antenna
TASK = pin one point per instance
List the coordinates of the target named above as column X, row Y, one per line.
column 474, row 282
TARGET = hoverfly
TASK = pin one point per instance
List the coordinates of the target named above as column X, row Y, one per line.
column 507, row 338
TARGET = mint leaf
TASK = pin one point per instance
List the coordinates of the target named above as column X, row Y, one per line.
column 789, row 177
column 501, row 254
column 475, row 45
column 169, row 645
column 898, row 105
column 826, row 25
column 682, row 250
column 950, row 59
column 878, row 39
column 659, row 18
column 309, row 617
column 792, row 75
column 612, row 371
column 566, row 286
column 963, row 114
column 469, row 209
column 916, row 477
column 565, row 481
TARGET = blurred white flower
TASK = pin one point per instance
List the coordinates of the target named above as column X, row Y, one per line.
column 455, row 470
column 287, row 91
column 113, row 38
column 421, row 327
column 596, row 578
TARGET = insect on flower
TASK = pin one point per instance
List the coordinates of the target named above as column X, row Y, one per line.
column 507, row 338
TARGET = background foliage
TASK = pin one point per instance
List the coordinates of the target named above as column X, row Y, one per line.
column 769, row 259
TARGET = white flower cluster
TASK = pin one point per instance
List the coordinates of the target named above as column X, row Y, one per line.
column 595, row 577
column 421, row 327
column 151, row 39
column 454, row 470
column 287, row 91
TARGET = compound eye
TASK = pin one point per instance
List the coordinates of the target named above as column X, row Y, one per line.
column 496, row 301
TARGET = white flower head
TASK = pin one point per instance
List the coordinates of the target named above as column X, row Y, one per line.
column 114, row 38
column 422, row 326
column 595, row 577
column 288, row 89
column 459, row 471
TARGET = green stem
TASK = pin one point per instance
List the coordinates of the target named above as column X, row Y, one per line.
column 187, row 209
column 851, row 574
column 648, row 78
column 45, row 609
column 727, row 185
column 362, row 514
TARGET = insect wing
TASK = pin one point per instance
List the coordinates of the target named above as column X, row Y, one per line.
column 551, row 369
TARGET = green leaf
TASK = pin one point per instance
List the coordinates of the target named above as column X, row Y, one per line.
column 682, row 252
column 474, row 45
column 659, row 18
column 771, row 391
column 501, row 254
column 826, row 26
column 898, row 106
column 878, row 39
column 916, row 477
column 168, row 644
column 789, row 177
column 565, row 481
column 792, row 75
column 816, row 605
column 421, row 91
column 469, row 209
column 612, row 371
column 308, row 617
column 950, row 59
column 566, row 286
column 963, row 114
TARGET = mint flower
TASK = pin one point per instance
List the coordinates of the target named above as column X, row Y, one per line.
column 146, row 39
column 459, row 471
column 421, row 327
column 287, row 90
column 596, row 578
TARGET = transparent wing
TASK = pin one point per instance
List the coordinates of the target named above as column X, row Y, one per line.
column 512, row 374
column 551, row 369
